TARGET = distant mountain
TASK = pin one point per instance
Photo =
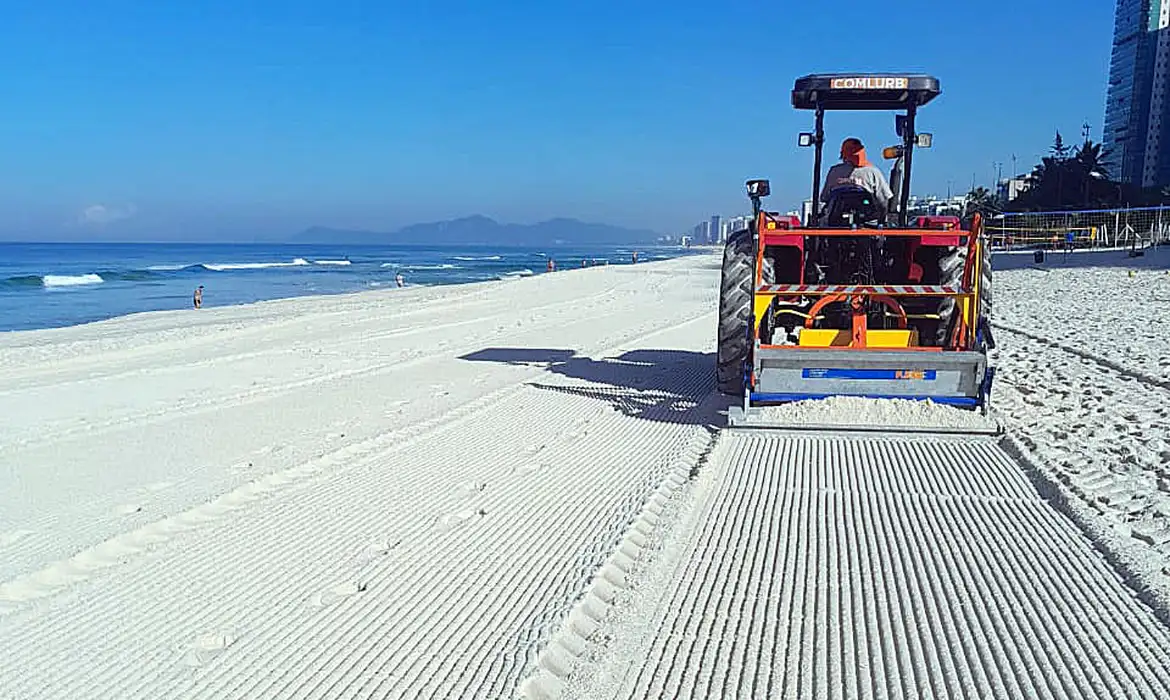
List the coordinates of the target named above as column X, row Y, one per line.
column 481, row 230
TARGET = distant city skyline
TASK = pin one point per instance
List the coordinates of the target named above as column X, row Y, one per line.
column 222, row 121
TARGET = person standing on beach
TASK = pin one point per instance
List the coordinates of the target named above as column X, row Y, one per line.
column 400, row 280
column 199, row 297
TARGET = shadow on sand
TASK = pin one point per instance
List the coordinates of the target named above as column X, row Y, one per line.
column 671, row 386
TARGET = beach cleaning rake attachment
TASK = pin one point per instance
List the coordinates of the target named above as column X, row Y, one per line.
column 810, row 341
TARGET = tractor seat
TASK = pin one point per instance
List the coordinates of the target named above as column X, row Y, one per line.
column 851, row 205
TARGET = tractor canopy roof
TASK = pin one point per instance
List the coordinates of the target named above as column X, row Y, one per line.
column 864, row 91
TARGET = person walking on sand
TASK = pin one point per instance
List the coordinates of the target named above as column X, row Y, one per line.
column 199, row 297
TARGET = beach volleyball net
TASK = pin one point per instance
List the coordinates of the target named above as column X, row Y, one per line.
column 1104, row 228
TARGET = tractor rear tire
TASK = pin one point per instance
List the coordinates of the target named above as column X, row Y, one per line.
column 951, row 264
column 735, row 313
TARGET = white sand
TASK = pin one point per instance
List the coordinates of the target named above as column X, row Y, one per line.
column 441, row 492
column 1084, row 386
column 321, row 496
column 856, row 412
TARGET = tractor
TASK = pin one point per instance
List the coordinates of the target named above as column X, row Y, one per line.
column 861, row 298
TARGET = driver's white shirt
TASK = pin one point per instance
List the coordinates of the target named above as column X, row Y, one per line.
column 866, row 177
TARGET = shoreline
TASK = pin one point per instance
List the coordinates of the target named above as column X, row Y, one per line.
column 300, row 298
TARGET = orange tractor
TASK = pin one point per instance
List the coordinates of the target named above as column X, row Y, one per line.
column 861, row 300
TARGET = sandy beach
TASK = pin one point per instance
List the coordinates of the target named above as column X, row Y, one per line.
column 312, row 474
column 443, row 493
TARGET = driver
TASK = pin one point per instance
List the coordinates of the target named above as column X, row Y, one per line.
column 855, row 169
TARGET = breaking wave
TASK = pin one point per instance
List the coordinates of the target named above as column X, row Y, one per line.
column 222, row 267
column 71, row 280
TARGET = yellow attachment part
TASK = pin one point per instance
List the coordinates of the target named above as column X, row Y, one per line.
column 832, row 338
column 762, row 302
column 824, row 338
column 894, row 338
column 978, row 278
column 966, row 304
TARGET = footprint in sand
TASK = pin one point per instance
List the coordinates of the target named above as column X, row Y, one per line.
column 128, row 509
column 469, row 488
column 335, row 593
column 528, row 468
column 378, row 549
column 456, row 520
column 207, row 646
column 159, row 486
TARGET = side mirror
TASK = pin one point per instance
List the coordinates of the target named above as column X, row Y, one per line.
column 923, row 140
column 806, row 140
column 900, row 123
column 758, row 188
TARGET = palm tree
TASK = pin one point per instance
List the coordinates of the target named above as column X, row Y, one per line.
column 1088, row 156
column 982, row 200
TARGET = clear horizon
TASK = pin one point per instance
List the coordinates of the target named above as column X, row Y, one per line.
column 131, row 121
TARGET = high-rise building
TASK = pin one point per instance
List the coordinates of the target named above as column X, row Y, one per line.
column 1137, row 106
column 715, row 228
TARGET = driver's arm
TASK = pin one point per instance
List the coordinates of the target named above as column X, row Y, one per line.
column 882, row 189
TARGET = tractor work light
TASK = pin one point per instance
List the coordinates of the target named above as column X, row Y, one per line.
column 806, row 140
column 923, row 140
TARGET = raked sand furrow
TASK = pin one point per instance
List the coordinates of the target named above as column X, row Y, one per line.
column 165, row 356
column 340, row 340
column 380, row 454
column 947, row 575
column 473, row 594
column 115, row 551
column 445, row 606
column 242, row 586
column 259, row 596
column 1109, row 615
column 471, row 653
column 96, row 515
column 197, row 376
column 294, row 533
column 977, row 651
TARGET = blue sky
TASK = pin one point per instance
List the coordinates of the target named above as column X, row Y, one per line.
column 252, row 119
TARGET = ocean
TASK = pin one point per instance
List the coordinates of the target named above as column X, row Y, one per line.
column 50, row 285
